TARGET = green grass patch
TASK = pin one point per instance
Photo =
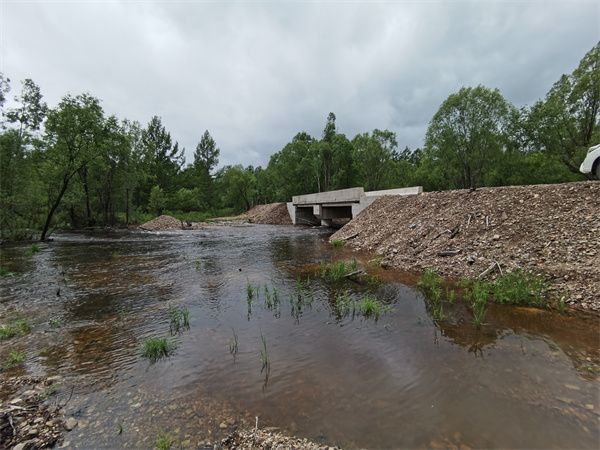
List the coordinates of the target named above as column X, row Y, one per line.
column 157, row 348
column 338, row 243
column 520, row 287
column 14, row 359
column 165, row 440
column 32, row 250
column 9, row 330
column 4, row 272
column 368, row 307
column 338, row 270
column 478, row 296
column 179, row 320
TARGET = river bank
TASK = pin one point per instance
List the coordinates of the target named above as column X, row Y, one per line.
column 552, row 230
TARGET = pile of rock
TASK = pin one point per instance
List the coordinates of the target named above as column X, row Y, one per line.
column 271, row 214
column 27, row 419
column 163, row 223
column 268, row 439
column 552, row 230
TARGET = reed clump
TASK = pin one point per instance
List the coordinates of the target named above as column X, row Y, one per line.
column 155, row 349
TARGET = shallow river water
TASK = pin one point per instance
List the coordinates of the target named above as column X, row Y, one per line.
column 527, row 379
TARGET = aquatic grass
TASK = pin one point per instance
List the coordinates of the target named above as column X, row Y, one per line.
column 368, row 306
column 7, row 331
column 337, row 243
column 264, row 355
column 478, row 296
column 268, row 298
column 431, row 280
column 54, row 323
column 250, row 291
column 179, row 320
column 32, row 250
column 4, row 272
column 49, row 392
column 22, row 326
column 155, row 349
column 519, row 287
column 450, row 295
column 165, row 440
column 233, row 344
column 116, row 255
column 15, row 358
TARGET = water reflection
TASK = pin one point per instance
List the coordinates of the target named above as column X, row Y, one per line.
column 526, row 379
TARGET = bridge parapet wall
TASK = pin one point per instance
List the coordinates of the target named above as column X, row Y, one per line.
column 322, row 207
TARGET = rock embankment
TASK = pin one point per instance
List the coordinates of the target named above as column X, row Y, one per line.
column 552, row 230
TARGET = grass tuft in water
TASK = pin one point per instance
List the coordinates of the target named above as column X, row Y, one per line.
column 15, row 358
column 233, row 344
column 264, row 355
column 54, row 323
column 157, row 348
column 32, row 250
column 4, row 272
column 179, row 320
column 250, row 292
column 478, row 296
column 165, row 440
column 9, row 330
column 337, row 243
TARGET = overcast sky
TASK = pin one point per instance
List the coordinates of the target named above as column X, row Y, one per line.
column 255, row 73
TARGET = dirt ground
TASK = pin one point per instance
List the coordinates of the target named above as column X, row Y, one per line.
column 553, row 230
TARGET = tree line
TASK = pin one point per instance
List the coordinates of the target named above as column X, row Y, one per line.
column 73, row 166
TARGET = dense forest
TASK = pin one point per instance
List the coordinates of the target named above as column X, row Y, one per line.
column 72, row 166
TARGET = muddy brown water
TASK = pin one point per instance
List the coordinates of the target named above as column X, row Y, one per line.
column 528, row 379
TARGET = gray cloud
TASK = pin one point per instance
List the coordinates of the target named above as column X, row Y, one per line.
column 256, row 73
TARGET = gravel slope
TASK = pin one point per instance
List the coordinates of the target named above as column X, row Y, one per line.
column 550, row 229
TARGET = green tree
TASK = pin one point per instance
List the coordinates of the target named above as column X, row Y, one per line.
column 162, row 158
column 466, row 137
column 15, row 164
column 292, row 171
column 206, row 158
column 239, row 187
column 158, row 202
column 74, row 138
column 566, row 123
column 374, row 153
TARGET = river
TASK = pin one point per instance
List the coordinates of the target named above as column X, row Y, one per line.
column 526, row 379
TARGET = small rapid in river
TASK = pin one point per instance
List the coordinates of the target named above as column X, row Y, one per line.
column 527, row 379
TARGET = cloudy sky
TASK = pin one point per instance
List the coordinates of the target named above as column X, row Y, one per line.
column 255, row 73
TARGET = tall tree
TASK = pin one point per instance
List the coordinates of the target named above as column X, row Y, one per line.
column 465, row 136
column 74, row 138
column 374, row 153
column 31, row 110
column 206, row 158
column 28, row 115
column 567, row 122
column 163, row 158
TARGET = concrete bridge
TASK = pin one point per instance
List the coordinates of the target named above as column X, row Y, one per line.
column 322, row 208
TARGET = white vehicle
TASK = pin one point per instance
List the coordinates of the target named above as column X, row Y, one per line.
column 591, row 163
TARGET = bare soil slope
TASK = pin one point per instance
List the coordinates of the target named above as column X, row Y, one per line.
column 553, row 230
